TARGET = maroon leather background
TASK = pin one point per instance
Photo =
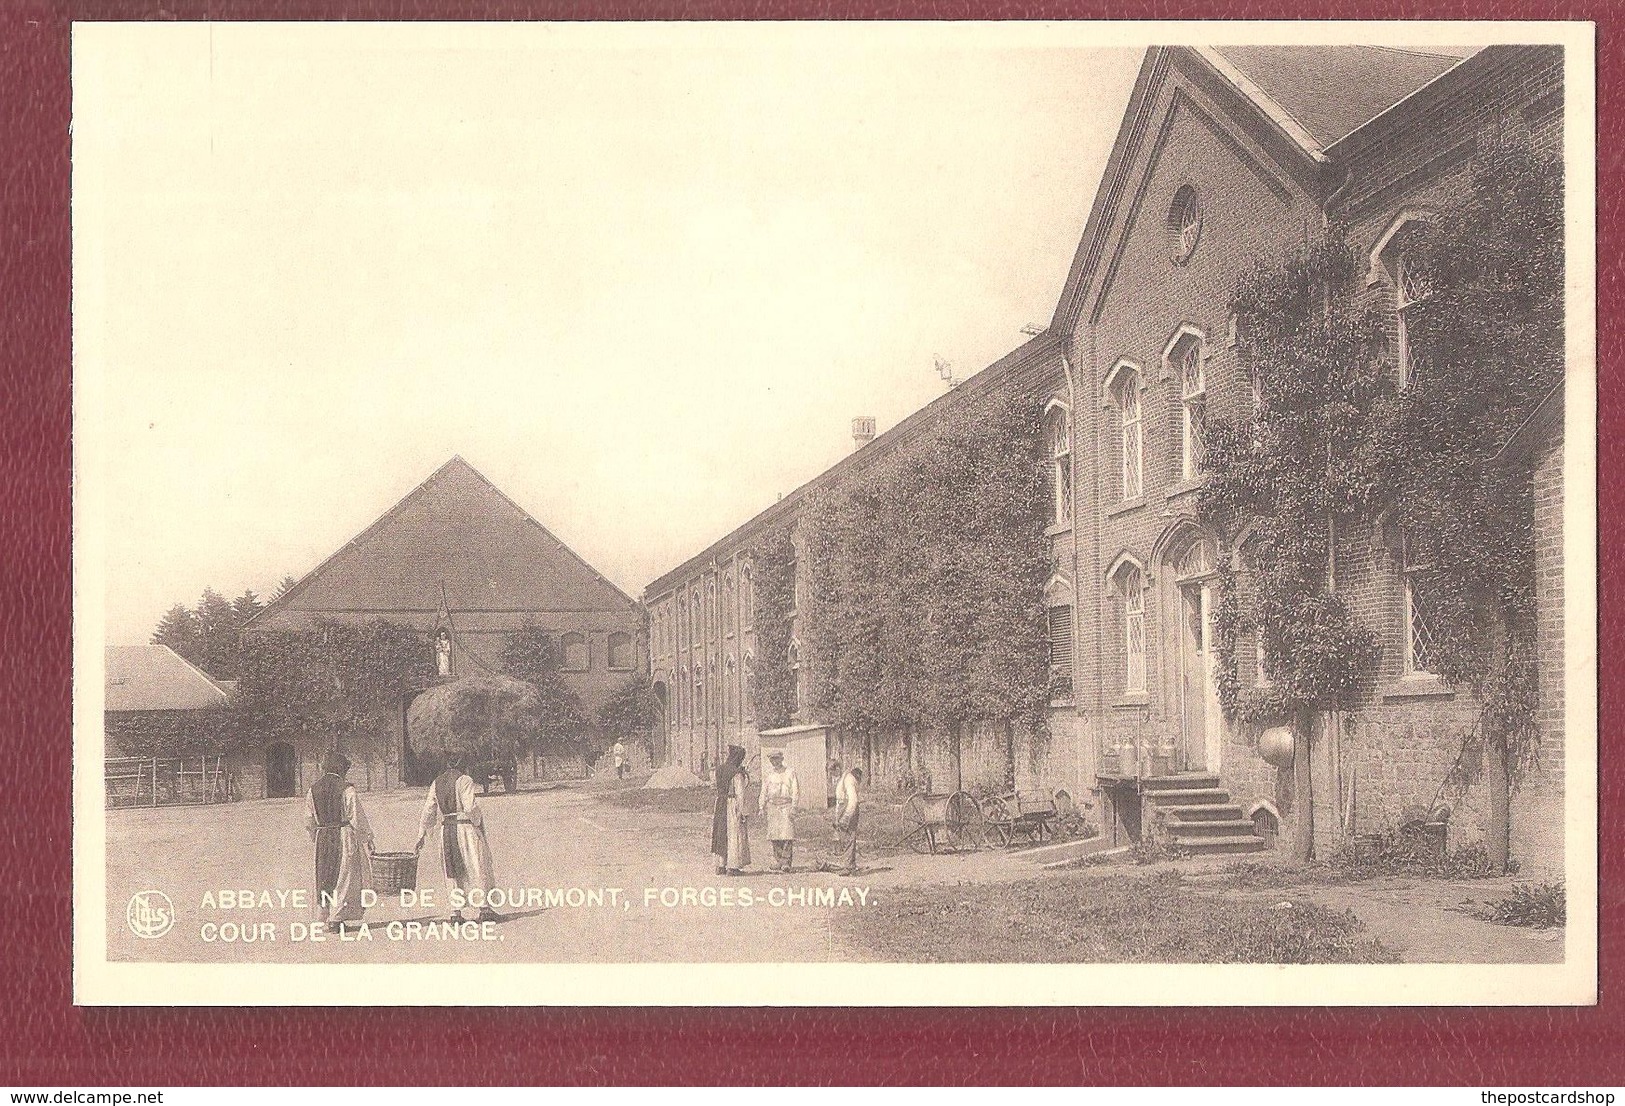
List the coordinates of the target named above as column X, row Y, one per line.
column 46, row 1041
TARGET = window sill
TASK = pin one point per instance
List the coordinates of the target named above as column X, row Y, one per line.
column 1055, row 528
column 1417, row 687
column 1184, row 488
column 1133, row 699
column 612, row 668
column 1125, row 508
column 1066, row 703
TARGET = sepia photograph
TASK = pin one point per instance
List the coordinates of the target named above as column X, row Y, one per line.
column 791, row 514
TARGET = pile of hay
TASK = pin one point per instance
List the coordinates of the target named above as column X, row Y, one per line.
column 673, row 777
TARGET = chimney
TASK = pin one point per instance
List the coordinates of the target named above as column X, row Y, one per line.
column 863, row 431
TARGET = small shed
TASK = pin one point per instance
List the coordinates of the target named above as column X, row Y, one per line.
column 167, row 728
column 805, row 751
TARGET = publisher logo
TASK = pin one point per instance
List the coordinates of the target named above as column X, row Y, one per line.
column 150, row 914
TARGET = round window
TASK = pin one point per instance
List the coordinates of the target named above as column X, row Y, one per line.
column 1184, row 224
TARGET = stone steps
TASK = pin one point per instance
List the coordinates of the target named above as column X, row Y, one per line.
column 1210, row 812
column 1196, row 815
column 1212, row 845
column 1194, row 796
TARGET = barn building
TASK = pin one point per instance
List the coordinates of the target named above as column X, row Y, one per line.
column 1224, row 156
column 466, row 566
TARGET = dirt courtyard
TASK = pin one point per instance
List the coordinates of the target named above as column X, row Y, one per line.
column 601, row 880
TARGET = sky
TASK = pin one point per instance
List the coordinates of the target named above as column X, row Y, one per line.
column 642, row 281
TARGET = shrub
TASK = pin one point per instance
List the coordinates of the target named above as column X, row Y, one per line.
column 1410, row 851
column 1536, row 905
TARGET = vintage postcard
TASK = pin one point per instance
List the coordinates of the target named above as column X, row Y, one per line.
column 806, row 514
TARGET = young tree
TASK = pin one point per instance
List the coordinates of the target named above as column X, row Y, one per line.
column 629, row 711
column 217, row 635
column 179, row 631
column 531, row 655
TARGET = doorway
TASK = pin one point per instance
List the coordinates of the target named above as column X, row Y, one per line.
column 1201, row 721
column 1198, row 712
column 281, row 772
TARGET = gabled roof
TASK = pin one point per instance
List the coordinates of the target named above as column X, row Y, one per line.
column 155, row 677
column 456, row 540
column 1331, row 90
column 1309, row 96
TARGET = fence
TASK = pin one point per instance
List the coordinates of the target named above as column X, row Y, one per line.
column 170, row 781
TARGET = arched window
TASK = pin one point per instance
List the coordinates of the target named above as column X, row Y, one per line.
column 1187, row 363
column 620, row 652
column 684, row 695
column 1418, row 627
column 1195, row 560
column 1184, row 224
column 795, row 676
column 1123, row 392
column 1396, row 259
column 1058, row 433
column 699, row 694
column 1060, row 645
column 694, row 619
column 575, row 656
column 747, row 588
column 731, row 688
column 1129, row 583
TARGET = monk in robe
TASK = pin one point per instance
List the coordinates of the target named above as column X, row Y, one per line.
column 729, row 842
column 338, row 827
column 464, row 855
column 777, row 805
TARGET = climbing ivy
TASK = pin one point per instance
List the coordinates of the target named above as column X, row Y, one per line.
column 1304, row 463
column 925, row 575
column 1337, row 443
column 1492, row 335
column 773, row 575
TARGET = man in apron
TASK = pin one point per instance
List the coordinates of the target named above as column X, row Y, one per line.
column 777, row 805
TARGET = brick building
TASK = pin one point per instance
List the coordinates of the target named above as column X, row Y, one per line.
column 467, row 566
column 1224, row 156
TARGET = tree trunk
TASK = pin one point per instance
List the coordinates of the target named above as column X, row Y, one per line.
column 1498, row 778
column 1497, row 769
column 1303, row 793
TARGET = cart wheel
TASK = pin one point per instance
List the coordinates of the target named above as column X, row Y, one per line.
column 966, row 824
column 998, row 823
column 916, row 829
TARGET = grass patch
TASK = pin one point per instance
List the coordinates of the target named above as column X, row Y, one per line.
column 1066, row 919
column 1534, row 905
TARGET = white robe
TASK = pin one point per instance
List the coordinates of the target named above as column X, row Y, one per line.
column 355, row 860
column 780, row 790
column 478, row 872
